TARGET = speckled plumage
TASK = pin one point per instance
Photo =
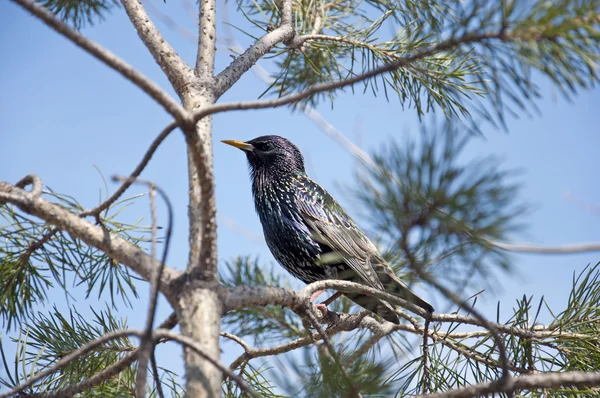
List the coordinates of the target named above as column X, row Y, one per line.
column 309, row 233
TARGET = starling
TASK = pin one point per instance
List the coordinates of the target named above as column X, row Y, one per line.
column 309, row 233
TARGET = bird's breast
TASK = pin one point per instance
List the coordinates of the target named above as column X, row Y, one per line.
column 287, row 236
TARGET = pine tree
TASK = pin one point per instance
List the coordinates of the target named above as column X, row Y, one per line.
column 442, row 224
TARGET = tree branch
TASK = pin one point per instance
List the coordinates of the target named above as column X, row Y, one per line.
column 147, row 345
column 286, row 12
column 108, row 58
column 244, row 296
column 230, row 75
column 207, row 40
column 344, row 323
column 361, row 320
column 476, row 314
column 540, row 249
column 113, row 245
column 177, row 71
column 528, row 382
column 200, row 309
column 446, row 45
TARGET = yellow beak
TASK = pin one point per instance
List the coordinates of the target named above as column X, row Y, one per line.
column 239, row 144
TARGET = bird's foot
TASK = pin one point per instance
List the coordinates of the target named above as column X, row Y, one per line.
column 323, row 309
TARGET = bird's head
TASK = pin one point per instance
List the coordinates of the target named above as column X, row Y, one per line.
column 270, row 156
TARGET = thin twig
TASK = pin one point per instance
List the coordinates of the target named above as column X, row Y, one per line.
column 159, row 389
column 147, row 346
column 425, row 357
column 309, row 308
column 473, row 354
column 505, row 377
column 135, row 173
column 237, row 339
column 542, row 249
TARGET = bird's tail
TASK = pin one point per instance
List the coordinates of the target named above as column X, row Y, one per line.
column 375, row 305
column 393, row 285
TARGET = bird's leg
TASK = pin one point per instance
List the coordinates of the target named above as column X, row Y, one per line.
column 320, row 307
column 323, row 306
column 333, row 297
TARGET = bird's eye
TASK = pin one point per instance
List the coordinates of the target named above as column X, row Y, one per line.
column 264, row 146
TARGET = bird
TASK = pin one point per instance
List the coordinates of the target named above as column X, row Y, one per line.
column 309, row 233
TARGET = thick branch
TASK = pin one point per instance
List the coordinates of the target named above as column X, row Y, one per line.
column 179, row 74
column 113, row 245
column 244, row 296
column 230, row 75
column 529, row 382
column 108, row 58
column 286, row 12
column 207, row 41
column 201, row 309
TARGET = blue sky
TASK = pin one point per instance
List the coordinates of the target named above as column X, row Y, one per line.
column 62, row 113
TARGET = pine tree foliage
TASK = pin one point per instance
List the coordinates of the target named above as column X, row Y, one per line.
column 80, row 13
column 489, row 50
column 30, row 264
column 46, row 338
column 425, row 202
column 434, row 213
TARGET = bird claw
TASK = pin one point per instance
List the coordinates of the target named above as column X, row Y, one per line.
column 323, row 309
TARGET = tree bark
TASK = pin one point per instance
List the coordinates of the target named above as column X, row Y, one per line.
column 200, row 307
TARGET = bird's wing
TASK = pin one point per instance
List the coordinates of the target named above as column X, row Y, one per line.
column 330, row 225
